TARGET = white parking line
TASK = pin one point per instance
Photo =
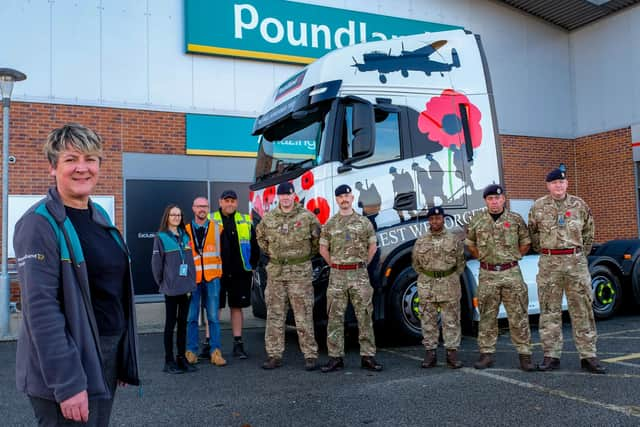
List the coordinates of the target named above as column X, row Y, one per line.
column 621, row 358
column 633, row 411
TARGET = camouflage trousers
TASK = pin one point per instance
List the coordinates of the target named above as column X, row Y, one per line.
column 297, row 291
column 449, row 308
column 568, row 274
column 354, row 285
column 506, row 287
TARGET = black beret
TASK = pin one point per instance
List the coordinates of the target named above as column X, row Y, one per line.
column 285, row 188
column 492, row 189
column 556, row 174
column 436, row 210
column 343, row 189
column 229, row 194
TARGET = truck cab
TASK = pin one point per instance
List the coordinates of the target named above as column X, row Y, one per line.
column 408, row 123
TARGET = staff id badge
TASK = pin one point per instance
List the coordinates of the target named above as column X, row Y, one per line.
column 184, row 270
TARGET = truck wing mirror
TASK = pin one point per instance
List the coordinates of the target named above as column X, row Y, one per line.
column 363, row 130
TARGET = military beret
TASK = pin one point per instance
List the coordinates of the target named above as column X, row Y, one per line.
column 492, row 189
column 229, row 194
column 556, row 174
column 285, row 188
column 343, row 189
column 436, row 210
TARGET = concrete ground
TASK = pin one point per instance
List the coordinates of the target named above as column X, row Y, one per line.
column 241, row 394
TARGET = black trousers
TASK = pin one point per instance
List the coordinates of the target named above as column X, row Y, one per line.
column 48, row 413
column 176, row 311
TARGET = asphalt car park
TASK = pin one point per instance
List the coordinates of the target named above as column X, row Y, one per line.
column 242, row 394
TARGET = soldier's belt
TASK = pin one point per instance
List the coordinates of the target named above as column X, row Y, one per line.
column 498, row 267
column 439, row 274
column 565, row 251
column 289, row 261
column 354, row 266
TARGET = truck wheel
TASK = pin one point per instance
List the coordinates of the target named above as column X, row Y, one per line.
column 403, row 311
column 607, row 292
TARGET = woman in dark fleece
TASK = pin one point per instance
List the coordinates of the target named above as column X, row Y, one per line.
column 78, row 338
column 175, row 273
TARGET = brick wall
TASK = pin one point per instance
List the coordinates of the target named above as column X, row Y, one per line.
column 606, row 181
column 121, row 130
column 600, row 169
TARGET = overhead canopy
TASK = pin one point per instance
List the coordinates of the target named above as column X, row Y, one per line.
column 570, row 14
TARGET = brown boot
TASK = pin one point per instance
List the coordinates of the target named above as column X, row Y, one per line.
column 430, row 359
column 370, row 363
column 525, row 363
column 452, row 359
column 272, row 363
column 549, row 364
column 334, row 364
column 485, row 361
column 592, row 364
column 310, row 364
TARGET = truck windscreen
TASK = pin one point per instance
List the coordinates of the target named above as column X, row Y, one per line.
column 291, row 144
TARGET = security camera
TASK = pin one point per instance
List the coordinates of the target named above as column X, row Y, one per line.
column 11, row 159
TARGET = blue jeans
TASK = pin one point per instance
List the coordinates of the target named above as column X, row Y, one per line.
column 211, row 299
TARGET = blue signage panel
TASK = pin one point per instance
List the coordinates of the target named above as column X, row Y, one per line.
column 286, row 31
column 220, row 136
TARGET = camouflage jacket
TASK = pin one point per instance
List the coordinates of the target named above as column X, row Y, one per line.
column 561, row 224
column 438, row 252
column 348, row 238
column 498, row 241
column 289, row 236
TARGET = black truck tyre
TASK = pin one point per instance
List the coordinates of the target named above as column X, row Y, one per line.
column 607, row 292
column 402, row 312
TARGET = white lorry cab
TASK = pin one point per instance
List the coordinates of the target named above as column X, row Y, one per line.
column 408, row 123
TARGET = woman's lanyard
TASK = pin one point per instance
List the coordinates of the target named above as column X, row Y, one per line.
column 184, row 268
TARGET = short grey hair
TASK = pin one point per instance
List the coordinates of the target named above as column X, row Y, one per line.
column 73, row 136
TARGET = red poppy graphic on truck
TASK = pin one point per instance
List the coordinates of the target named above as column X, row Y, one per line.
column 442, row 122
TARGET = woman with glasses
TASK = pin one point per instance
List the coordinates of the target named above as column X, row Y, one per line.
column 174, row 272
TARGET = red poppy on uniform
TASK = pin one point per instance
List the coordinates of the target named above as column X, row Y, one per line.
column 567, row 214
column 507, row 225
column 320, row 208
column 442, row 122
column 307, row 180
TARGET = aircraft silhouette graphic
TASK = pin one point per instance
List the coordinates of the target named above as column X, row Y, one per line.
column 408, row 60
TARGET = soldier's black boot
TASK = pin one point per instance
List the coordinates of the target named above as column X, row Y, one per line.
column 369, row 363
column 430, row 359
column 272, row 363
column 334, row 364
column 485, row 361
column 592, row 364
column 525, row 363
column 549, row 364
column 452, row 359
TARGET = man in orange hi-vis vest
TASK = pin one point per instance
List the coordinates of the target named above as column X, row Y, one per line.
column 205, row 243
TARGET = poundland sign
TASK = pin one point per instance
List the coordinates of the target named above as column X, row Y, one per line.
column 285, row 31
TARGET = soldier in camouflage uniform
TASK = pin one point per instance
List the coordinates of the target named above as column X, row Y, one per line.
column 289, row 236
column 347, row 244
column 438, row 258
column 499, row 238
column 562, row 231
